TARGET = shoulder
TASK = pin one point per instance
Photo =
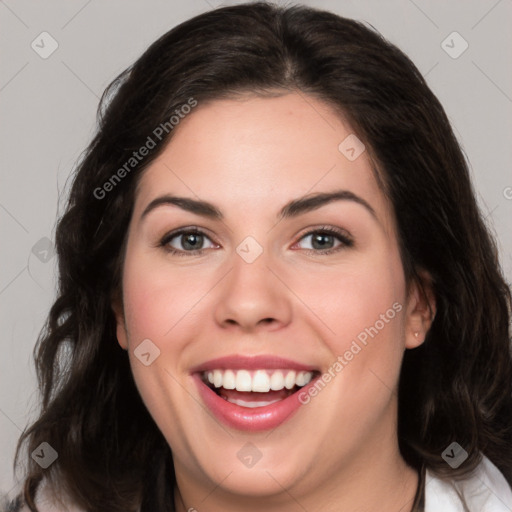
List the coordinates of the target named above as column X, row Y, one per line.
column 485, row 490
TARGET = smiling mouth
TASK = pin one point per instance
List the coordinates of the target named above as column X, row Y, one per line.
column 256, row 388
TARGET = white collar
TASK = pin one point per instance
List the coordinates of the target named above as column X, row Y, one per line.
column 485, row 490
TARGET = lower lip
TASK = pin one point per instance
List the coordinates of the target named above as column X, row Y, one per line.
column 250, row 419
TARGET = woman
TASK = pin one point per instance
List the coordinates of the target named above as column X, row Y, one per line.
column 199, row 356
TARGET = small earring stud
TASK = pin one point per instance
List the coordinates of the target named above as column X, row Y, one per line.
column 416, row 334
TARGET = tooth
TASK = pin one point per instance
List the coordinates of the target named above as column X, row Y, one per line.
column 243, row 381
column 300, row 380
column 251, row 405
column 289, row 380
column 229, row 380
column 277, row 381
column 261, row 381
column 217, row 378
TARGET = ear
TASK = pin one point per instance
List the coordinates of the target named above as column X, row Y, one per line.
column 121, row 331
column 421, row 310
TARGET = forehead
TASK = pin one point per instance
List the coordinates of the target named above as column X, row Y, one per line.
column 256, row 151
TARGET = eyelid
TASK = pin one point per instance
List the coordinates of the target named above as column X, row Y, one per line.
column 345, row 238
column 165, row 239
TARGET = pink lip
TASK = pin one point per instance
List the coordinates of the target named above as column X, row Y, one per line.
column 239, row 362
column 244, row 418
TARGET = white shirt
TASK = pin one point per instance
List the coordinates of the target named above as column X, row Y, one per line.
column 485, row 490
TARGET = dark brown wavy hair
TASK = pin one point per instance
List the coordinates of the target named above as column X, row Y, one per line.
column 457, row 386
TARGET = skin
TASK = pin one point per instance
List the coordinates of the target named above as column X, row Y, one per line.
column 250, row 156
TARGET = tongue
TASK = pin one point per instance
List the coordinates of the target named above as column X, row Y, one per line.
column 253, row 396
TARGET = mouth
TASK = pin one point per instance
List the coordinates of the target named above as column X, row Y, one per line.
column 256, row 388
column 253, row 393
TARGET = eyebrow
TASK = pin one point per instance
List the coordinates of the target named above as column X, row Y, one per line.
column 294, row 208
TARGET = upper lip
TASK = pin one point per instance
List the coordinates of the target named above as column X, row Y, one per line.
column 241, row 362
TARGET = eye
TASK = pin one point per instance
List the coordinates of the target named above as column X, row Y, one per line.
column 323, row 240
column 189, row 240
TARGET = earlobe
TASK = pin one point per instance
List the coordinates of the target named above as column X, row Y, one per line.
column 421, row 310
column 121, row 334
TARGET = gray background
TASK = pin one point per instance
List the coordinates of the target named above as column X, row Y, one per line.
column 48, row 106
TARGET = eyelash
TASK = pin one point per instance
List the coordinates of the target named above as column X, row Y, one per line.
column 342, row 236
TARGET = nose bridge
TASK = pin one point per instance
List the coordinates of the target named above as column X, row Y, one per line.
column 251, row 293
column 251, row 265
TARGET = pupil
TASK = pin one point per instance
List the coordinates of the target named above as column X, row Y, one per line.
column 321, row 239
column 194, row 239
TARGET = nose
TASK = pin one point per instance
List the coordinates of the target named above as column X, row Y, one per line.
column 252, row 297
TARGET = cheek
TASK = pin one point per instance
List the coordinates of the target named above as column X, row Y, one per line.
column 158, row 303
column 159, row 306
column 363, row 306
column 163, row 304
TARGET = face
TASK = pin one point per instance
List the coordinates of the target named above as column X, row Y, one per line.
column 303, row 309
